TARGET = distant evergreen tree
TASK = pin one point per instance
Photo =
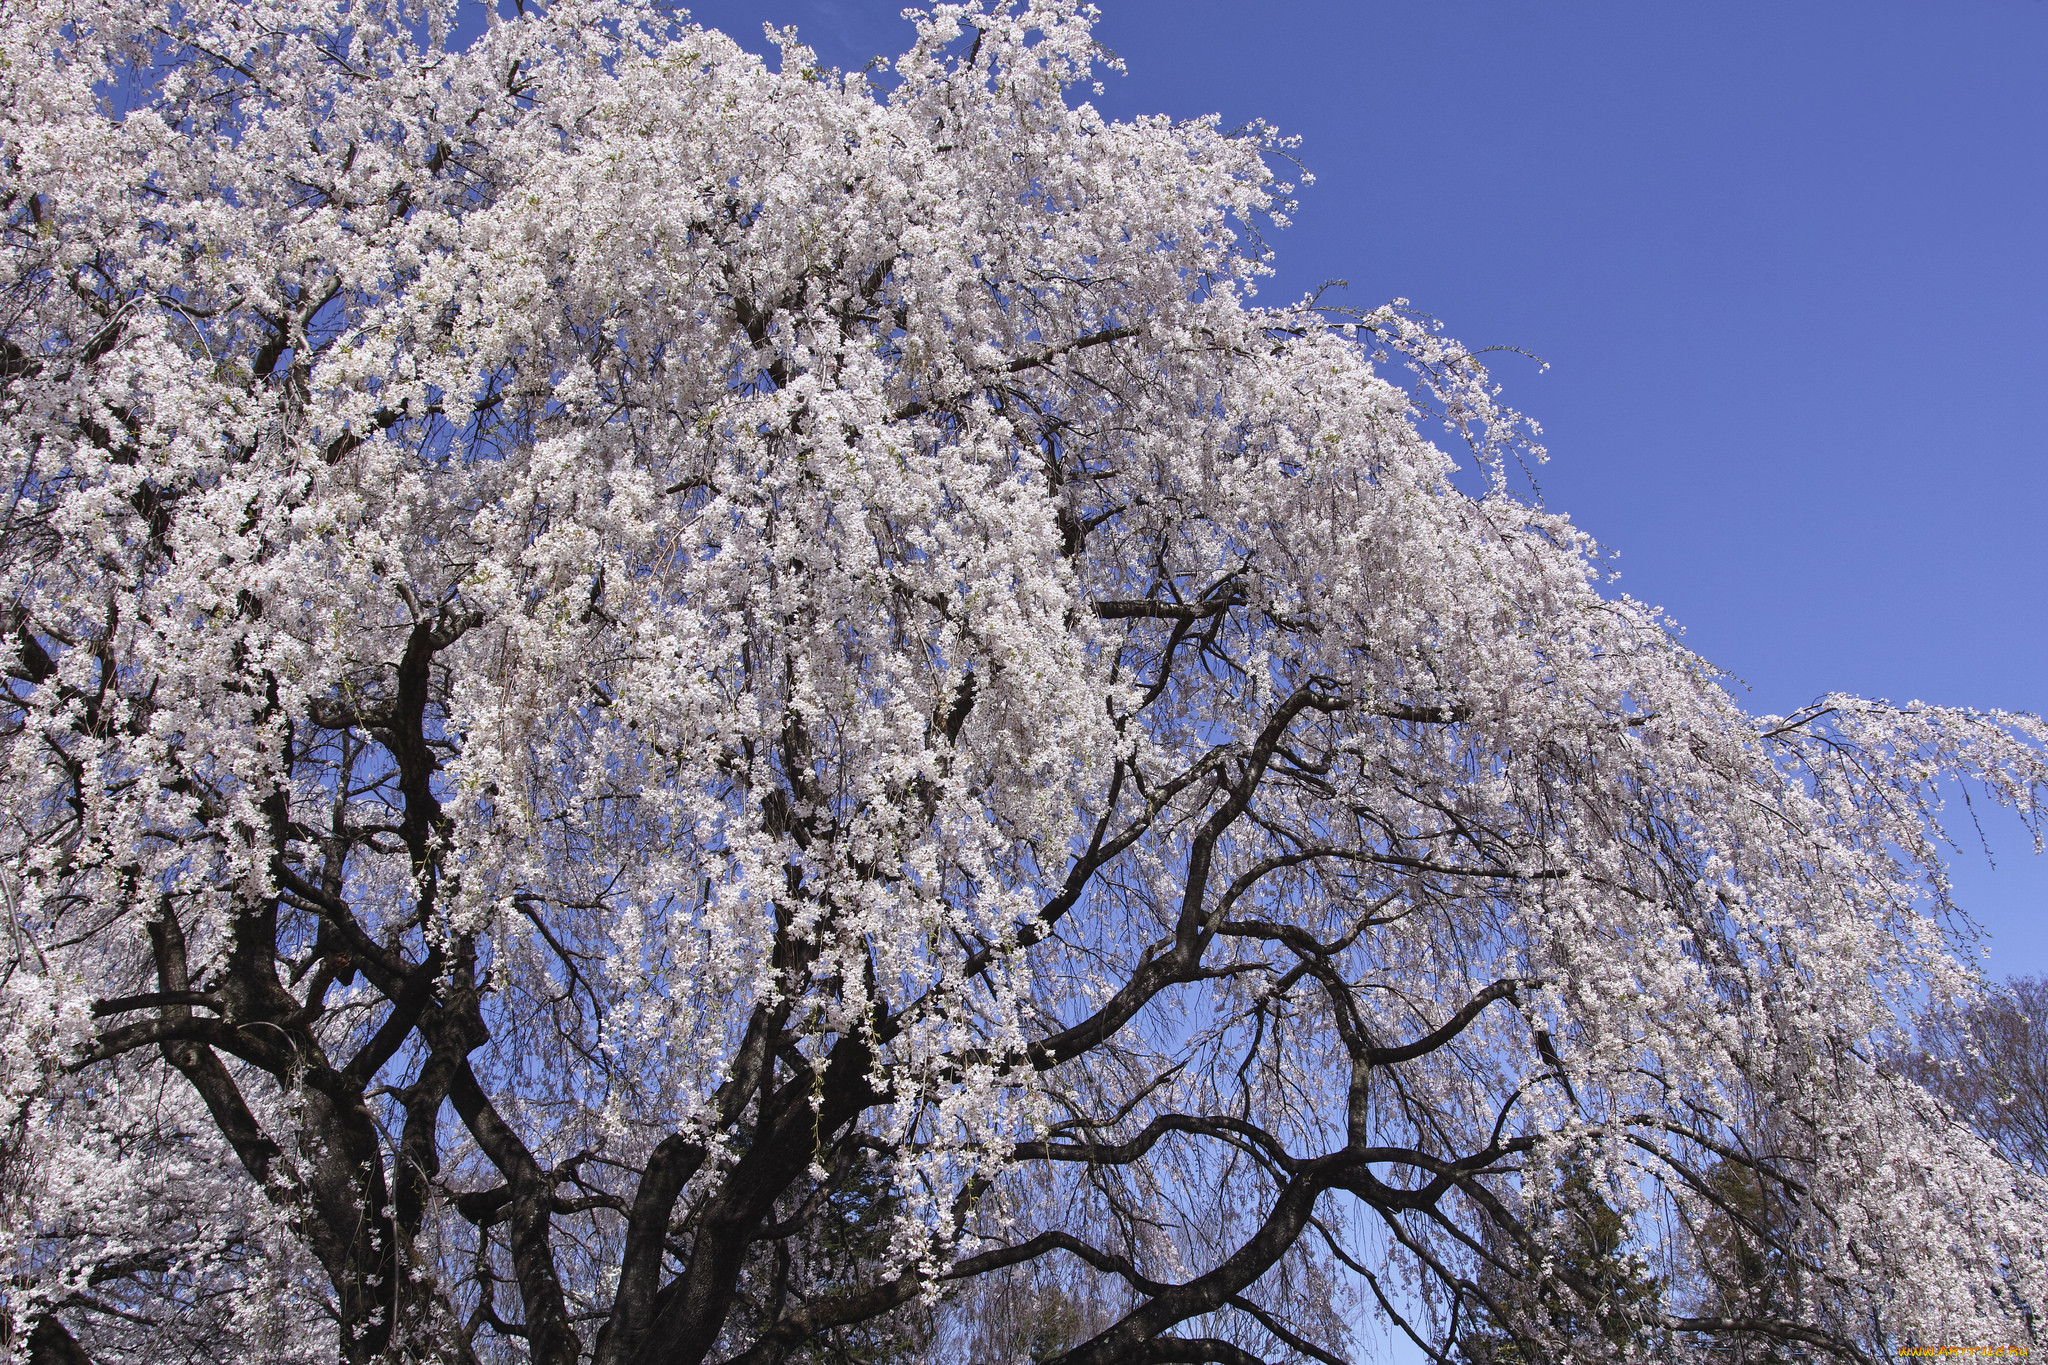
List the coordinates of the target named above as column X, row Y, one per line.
column 842, row 1250
column 1585, row 1296
column 1744, row 1246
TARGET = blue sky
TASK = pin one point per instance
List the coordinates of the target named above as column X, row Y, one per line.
column 1786, row 264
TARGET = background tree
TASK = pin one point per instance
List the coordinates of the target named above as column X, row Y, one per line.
column 1989, row 1059
column 665, row 712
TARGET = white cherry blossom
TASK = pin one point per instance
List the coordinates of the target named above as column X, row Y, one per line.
column 659, row 708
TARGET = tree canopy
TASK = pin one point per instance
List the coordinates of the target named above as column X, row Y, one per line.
column 665, row 711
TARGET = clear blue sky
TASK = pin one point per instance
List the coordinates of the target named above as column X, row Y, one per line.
column 1786, row 263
